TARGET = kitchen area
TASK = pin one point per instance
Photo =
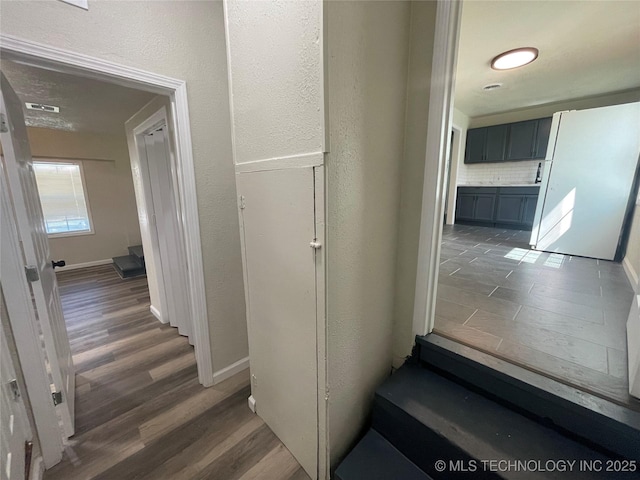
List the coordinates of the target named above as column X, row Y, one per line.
column 539, row 256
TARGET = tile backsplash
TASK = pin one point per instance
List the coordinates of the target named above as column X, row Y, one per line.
column 507, row 173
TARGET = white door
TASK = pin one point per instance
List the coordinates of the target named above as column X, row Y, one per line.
column 278, row 224
column 13, row 416
column 165, row 208
column 33, row 236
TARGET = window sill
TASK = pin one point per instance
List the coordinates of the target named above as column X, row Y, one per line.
column 70, row 234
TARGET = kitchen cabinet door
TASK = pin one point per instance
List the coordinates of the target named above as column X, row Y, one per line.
column 475, row 149
column 509, row 209
column 484, row 207
column 496, row 143
column 464, row 207
column 542, row 137
column 522, row 140
column 529, row 209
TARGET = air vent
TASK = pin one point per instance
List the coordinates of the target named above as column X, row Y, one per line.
column 492, row 86
column 42, row 107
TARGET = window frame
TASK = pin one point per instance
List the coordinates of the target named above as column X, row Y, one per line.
column 85, row 192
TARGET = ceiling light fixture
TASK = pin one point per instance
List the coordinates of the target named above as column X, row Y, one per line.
column 514, row 58
column 42, row 107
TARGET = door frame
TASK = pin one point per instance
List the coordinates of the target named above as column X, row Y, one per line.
column 443, row 67
column 167, row 279
column 52, row 58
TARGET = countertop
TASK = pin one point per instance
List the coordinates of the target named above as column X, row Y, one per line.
column 499, row 185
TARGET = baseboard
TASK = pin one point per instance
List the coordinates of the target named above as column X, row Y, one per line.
column 37, row 469
column 156, row 313
column 76, row 266
column 632, row 275
column 231, row 370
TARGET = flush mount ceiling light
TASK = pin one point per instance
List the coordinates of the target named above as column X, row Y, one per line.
column 514, row 58
column 42, row 107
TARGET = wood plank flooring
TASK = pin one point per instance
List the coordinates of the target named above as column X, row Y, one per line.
column 561, row 316
column 140, row 411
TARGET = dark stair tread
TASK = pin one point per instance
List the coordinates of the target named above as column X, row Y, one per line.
column 419, row 403
column 614, row 427
column 137, row 251
column 374, row 458
column 128, row 266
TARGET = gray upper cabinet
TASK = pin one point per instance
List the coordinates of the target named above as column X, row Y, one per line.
column 522, row 140
column 508, row 142
column 542, row 137
column 475, row 150
column 496, row 141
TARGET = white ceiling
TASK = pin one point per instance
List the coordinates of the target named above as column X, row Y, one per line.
column 586, row 48
column 86, row 105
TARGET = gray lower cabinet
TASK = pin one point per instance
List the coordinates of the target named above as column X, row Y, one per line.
column 506, row 207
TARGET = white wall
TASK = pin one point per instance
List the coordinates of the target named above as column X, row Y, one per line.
column 422, row 29
column 105, row 162
column 275, row 52
column 368, row 51
column 183, row 40
column 277, row 99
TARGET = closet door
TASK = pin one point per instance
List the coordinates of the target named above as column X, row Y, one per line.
column 278, row 227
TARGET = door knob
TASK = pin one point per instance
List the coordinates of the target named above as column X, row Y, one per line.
column 59, row 263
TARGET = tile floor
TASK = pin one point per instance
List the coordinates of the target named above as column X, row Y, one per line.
column 562, row 316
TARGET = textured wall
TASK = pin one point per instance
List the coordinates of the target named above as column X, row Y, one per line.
column 184, row 40
column 368, row 46
column 412, row 173
column 277, row 98
column 108, row 183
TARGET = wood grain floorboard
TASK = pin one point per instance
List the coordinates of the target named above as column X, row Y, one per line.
column 140, row 411
column 558, row 315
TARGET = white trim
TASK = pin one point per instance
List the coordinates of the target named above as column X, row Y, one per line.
column 76, row 266
column 231, row 370
column 37, row 469
column 251, row 402
column 44, row 56
column 305, row 160
column 439, row 125
column 156, row 313
column 84, row 4
column 632, row 275
column 322, row 338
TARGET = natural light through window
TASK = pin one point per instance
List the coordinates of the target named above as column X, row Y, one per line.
column 63, row 197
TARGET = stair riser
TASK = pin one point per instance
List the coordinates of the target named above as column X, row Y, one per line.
column 420, row 444
column 593, row 427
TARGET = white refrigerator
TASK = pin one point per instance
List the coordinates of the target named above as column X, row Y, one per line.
column 587, row 182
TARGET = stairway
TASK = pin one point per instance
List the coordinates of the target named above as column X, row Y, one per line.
column 450, row 413
column 131, row 265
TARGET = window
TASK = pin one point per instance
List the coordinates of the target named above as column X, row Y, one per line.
column 63, row 197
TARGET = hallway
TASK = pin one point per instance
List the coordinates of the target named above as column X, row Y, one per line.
column 140, row 411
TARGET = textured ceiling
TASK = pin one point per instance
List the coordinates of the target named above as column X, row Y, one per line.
column 85, row 105
column 586, row 48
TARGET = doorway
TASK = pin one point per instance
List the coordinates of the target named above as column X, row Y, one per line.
column 569, row 322
column 192, row 280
